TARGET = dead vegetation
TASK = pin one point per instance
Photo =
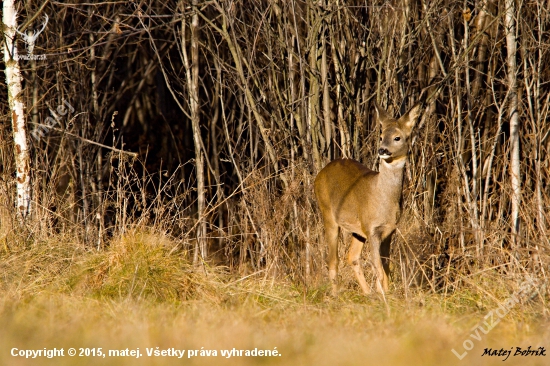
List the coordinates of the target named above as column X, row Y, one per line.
column 150, row 207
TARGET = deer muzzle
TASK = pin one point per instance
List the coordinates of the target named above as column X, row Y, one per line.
column 384, row 153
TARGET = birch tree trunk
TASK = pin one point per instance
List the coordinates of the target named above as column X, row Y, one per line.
column 515, row 178
column 13, row 82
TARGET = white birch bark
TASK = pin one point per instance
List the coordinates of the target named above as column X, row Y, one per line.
column 13, row 82
column 515, row 177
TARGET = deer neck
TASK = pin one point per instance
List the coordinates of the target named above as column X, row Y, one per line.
column 390, row 178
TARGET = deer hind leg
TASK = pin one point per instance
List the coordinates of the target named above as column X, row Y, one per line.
column 354, row 259
column 331, row 237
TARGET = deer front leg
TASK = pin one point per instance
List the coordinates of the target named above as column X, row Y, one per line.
column 376, row 241
column 385, row 257
column 354, row 259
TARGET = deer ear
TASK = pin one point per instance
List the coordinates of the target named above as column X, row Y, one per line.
column 408, row 120
column 381, row 115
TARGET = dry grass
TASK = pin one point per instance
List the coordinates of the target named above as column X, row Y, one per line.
column 455, row 258
column 140, row 292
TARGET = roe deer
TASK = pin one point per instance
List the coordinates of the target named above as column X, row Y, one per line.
column 364, row 202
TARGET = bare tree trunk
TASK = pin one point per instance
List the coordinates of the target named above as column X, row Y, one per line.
column 515, row 178
column 326, row 97
column 192, row 73
column 13, row 81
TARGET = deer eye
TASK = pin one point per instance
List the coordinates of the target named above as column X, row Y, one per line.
column 397, row 138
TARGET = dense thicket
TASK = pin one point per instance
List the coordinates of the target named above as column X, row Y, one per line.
column 232, row 107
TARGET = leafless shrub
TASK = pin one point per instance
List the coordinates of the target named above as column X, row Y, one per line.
column 283, row 87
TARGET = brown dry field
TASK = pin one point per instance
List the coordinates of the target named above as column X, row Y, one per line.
column 139, row 295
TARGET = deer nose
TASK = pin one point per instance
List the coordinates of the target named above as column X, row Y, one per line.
column 384, row 151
